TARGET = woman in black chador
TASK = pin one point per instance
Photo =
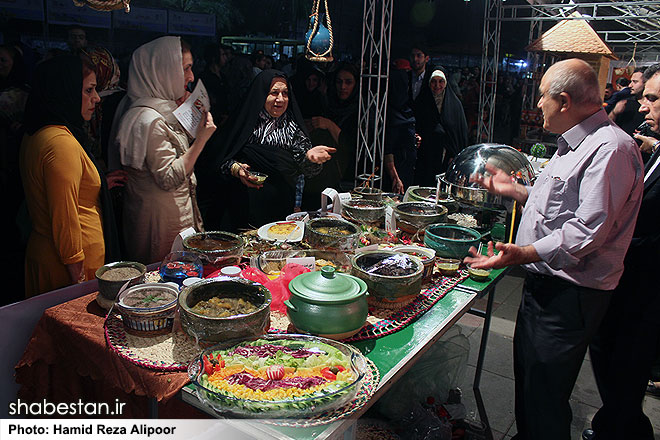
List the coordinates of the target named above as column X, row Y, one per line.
column 441, row 124
column 267, row 135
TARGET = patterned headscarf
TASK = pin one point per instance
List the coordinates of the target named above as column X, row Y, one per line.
column 105, row 67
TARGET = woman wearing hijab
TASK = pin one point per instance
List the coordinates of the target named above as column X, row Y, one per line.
column 308, row 85
column 107, row 86
column 268, row 135
column 72, row 222
column 400, row 142
column 442, row 126
column 159, row 196
column 339, row 129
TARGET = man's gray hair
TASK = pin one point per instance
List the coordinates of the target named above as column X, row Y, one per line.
column 578, row 79
column 651, row 71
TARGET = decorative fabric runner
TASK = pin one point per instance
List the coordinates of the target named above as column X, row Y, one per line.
column 383, row 321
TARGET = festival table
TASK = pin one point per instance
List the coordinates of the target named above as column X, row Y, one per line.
column 394, row 355
column 67, row 358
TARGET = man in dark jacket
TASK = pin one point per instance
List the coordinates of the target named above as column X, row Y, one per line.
column 625, row 347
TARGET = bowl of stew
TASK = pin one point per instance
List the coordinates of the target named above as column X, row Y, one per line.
column 219, row 248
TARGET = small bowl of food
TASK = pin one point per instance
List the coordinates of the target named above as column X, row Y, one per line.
column 179, row 265
column 481, row 275
column 257, row 177
column 112, row 276
column 448, row 266
column 148, row 309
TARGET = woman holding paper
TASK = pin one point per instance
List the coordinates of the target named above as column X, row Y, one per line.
column 159, row 197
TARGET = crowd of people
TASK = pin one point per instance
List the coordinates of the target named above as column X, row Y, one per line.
column 142, row 178
column 108, row 172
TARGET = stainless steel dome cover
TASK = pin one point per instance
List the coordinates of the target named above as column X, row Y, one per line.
column 473, row 159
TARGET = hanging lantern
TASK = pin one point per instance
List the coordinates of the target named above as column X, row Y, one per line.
column 319, row 35
column 105, row 5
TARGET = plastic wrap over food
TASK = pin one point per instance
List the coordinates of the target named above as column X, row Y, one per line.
column 394, row 265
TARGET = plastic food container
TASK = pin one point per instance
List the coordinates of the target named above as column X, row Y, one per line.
column 333, row 397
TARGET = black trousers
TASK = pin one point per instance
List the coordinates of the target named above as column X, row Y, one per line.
column 556, row 321
column 622, row 355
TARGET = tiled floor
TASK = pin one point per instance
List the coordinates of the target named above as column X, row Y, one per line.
column 497, row 378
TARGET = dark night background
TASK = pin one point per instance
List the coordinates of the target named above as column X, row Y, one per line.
column 447, row 27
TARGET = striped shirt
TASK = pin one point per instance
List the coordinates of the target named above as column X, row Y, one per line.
column 581, row 212
column 282, row 132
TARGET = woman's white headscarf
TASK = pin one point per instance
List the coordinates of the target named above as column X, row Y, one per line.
column 441, row 96
column 155, row 82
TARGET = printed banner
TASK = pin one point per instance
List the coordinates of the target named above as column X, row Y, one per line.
column 141, row 19
column 190, row 23
column 65, row 12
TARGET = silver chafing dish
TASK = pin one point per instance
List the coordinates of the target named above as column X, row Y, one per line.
column 473, row 159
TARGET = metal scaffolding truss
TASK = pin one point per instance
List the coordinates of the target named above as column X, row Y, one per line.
column 489, row 63
column 372, row 112
column 631, row 28
column 599, row 11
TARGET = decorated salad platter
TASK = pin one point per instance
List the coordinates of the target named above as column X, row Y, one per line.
column 277, row 376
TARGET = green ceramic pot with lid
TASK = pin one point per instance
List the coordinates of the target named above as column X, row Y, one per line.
column 327, row 303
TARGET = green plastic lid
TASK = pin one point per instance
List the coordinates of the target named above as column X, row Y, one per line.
column 327, row 286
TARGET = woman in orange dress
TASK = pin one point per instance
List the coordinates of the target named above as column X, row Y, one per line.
column 66, row 193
